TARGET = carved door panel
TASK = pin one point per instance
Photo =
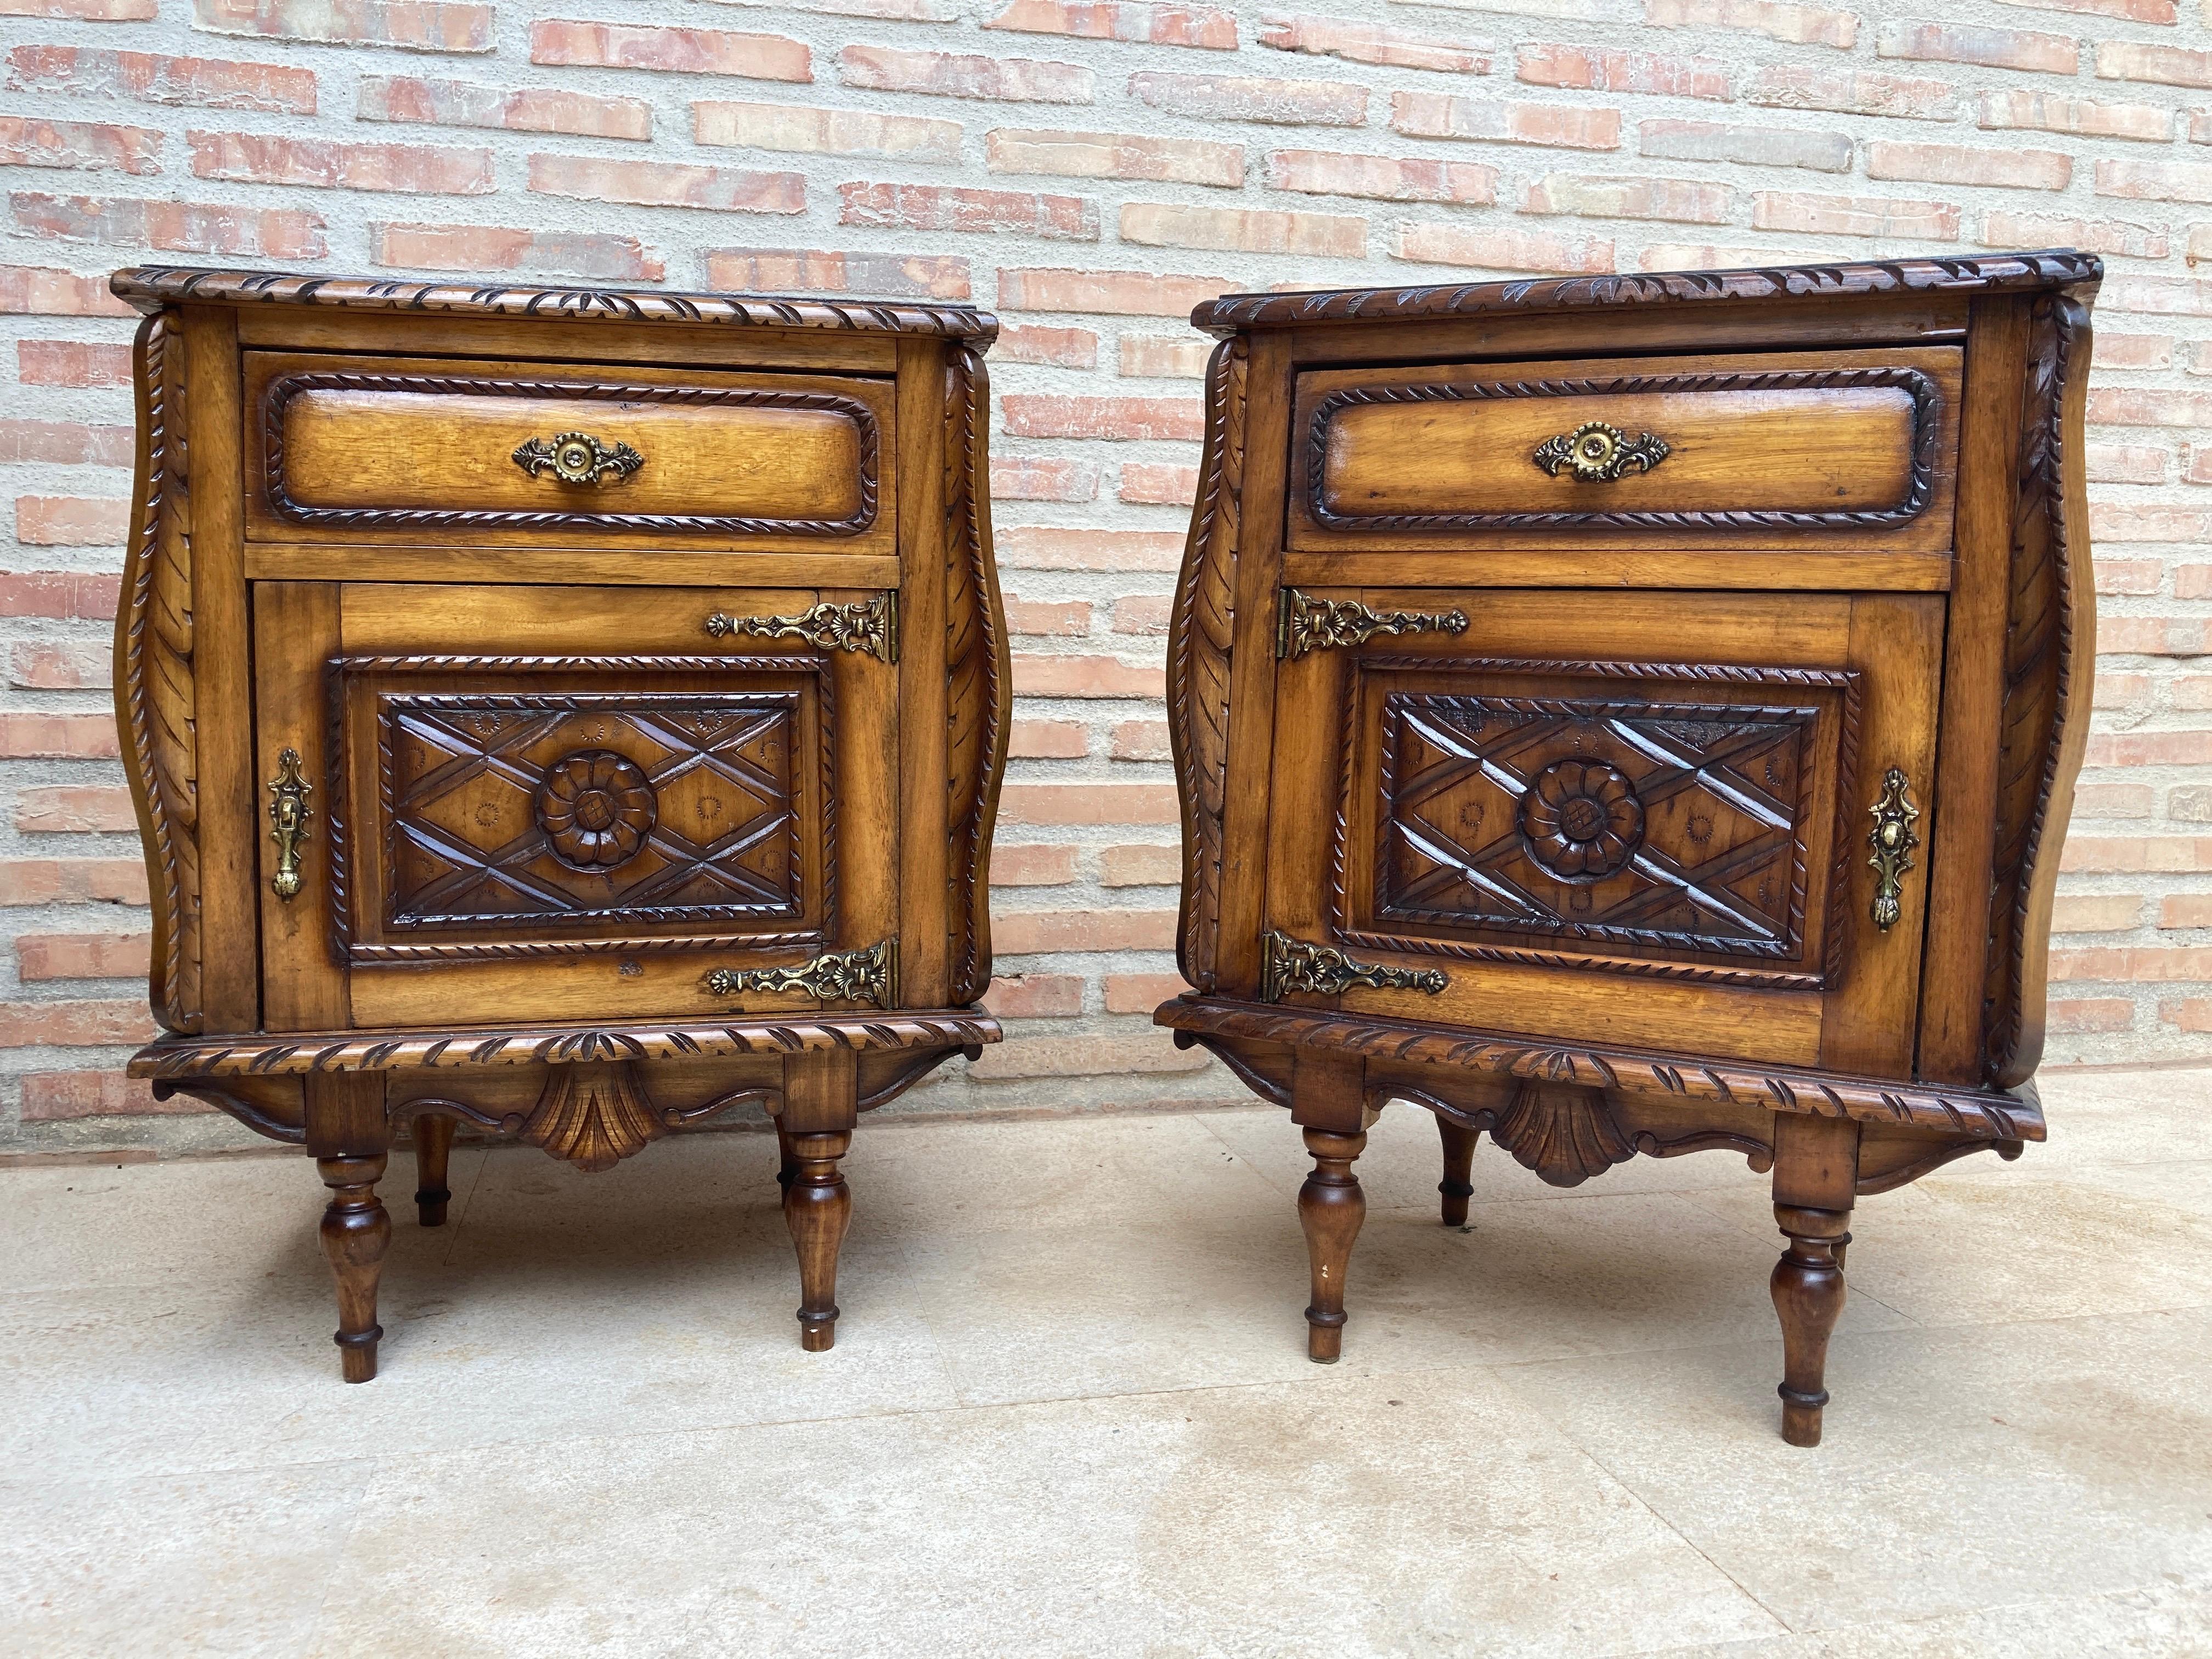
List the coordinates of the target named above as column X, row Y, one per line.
column 531, row 828
column 1641, row 816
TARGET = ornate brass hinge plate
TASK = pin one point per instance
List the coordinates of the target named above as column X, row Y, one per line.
column 871, row 625
column 1303, row 623
column 289, row 813
column 1892, row 841
column 578, row 457
column 1288, row 965
column 869, row 976
column 1598, row 453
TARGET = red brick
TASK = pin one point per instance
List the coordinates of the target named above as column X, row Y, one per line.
column 1036, row 342
column 2191, row 691
column 2083, row 1016
column 2116, row 691
column 1801, row 26
column 72, row 363
column 1057, row 616
column 88, row 146
column 2188, row 1013
column 1049, row 547
column 2132, row 350
column 583, row 253
column 2117, row 576
column 1043, row 866
column 1497, row 120
column 919, row 275
column 1714, row 256
column 1851, row 92
column 1251, row 98
column 1036, row 933
column 1115, row 155
column 2193, row 581
column 2200, row 126
column 1357, row 42
column 89, row 11
column 2129, row 464
column 1035, row 996
column 2134, row 11
column 1855, row 216
column 63, row 595
column 1158, row 356
column 1382, row 178
column 1108, row 293
column 66, row 443
column 978, row 212
column 2129, row 854
column 72, row 881
column 319, row 164
column 2095, row 912
column 2151, row 636
column 2003, row 229
column 50, row 1096
column 1139, row 866
column 2134, row 406
column 42, row 956
column 1048, row 740
column 952, row 75
column 207, row 83
column 2114, row 964
column 1717, row 141
column 1051, row 414
column 800, row 131
column 71, row 521
column 2010, row 49
column 688, row 52
column 1086, row 676
column 2197, row 470
column 2151, row 748
column 59, row 666
column 2045, row 112
column 2165, row 296
column 2110, row 522
column 1502, row 249
column 408, row 98
column 1602, row 69
column 171, row 227
column 1157, row 483
column 2155, row 181
column 1140, row 993
column 1134, row 21
column 73, row 1024
column 1142, row 613
column 33, row 290
column 411, row 25
column 1626, row 197
column 1033, row 478
column 668, row 184
column 2185, row 910
column 75, row 809
column 2166, row 66
column 2011, row 168
column 1140, row 740
column 28, row 736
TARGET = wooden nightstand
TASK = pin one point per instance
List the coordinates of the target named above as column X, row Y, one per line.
column 571, row 713
column 1639, row 715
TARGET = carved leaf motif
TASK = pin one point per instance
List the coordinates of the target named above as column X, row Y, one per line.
column 1566, row 1135
column 593, row 1116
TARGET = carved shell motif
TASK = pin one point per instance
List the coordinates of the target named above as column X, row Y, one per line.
column 1566, row 1135
column 593, row 1116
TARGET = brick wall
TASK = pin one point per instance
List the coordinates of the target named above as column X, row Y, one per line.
column 1091, row 170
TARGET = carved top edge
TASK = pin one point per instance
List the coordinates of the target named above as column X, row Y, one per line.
column 2002, row 272
column 150, row 288
column 1979, row 1114
column 295, row 1053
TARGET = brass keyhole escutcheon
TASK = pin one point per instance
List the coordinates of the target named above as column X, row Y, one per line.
column 289, row 813
column 1892, row 841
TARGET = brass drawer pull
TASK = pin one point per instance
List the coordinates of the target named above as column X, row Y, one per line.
column 1303, row 623
column 1598, row 453
column 871, row 626
column 1288, row 965
column 1892, row 841
column 578, row 457
column 869, row 976
column 289, row 813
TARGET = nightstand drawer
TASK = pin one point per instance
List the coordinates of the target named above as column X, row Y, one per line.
column 1750, row 451
column 530, row 454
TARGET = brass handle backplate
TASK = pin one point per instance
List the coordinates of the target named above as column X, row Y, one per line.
column 578, row 457
column 1598, row 453
column 871, row 626
column 869, row 976
column 1892, row 841
column 1288, row 965
column 1303, row 623
column 289, row 813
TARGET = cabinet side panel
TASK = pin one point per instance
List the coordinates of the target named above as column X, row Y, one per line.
column 977, row 668
column 925, row 856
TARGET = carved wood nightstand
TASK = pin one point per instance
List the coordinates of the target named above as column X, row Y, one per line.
column 1639, row 715
column 573, row 713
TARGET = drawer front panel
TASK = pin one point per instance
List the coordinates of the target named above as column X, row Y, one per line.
column 1852, row 444
column 534, row 452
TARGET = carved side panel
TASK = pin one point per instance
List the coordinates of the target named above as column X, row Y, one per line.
column 976, row 667
column 2046, row 704
column 154, row 688
column 1199, row 636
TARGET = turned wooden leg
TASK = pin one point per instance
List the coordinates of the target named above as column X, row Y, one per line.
column 354, row 1230
column 1809, row 1295
column 1331, row 1206
column 434, row 1145
column 1842, row 1244
column 1459, row 1162
column 818, row 1206
column 787, row 1161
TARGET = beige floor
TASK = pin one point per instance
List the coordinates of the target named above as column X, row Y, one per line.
column 1069, row 1412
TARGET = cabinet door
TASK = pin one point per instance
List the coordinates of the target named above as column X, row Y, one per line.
column 576, row 803
column 1640, row 818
